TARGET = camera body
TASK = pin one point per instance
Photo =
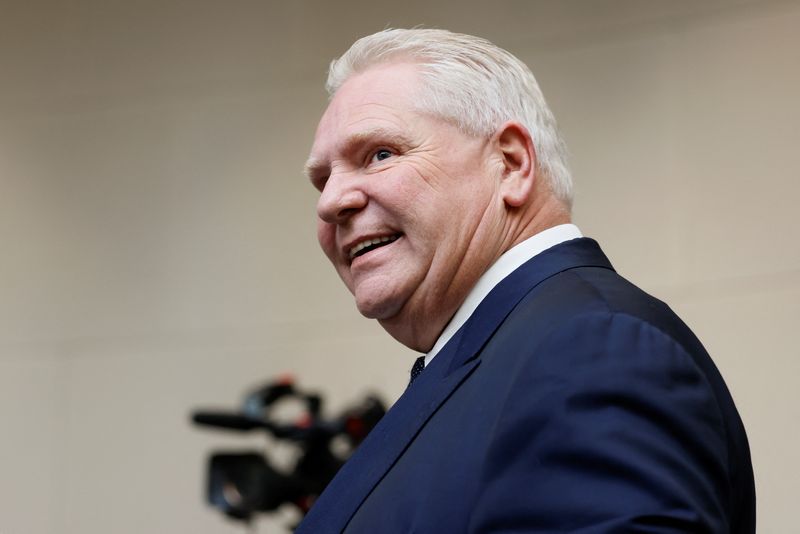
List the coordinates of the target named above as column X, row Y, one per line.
column 243, row 483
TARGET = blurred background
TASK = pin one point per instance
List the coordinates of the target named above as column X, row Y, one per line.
column 158, row 237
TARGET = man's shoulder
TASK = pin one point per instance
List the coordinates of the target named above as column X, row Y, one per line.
column 577, row 293
column 588, row 306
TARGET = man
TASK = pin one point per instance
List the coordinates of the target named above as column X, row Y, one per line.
column 556, row 396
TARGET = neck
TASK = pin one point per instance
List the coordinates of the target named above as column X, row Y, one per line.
column 547, row 214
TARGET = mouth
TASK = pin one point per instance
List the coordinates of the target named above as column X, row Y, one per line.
column 368, row 245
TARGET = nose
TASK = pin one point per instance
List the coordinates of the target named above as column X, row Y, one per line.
column 341, row 198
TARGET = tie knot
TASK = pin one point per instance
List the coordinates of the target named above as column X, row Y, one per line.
column 416, row 370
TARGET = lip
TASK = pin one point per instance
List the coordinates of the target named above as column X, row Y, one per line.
column 366, row 237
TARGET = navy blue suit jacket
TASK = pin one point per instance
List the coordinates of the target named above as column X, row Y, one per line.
column 571, row 401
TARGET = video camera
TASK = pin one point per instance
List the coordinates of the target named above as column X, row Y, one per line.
column 242, row 483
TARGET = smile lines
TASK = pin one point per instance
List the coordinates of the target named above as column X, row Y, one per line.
column 371, row 244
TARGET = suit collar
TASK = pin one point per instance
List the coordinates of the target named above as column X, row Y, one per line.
column 506, row 264
column 451, row 367
column 490, row 313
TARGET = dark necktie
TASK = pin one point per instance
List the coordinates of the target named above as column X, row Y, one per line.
column 416, row 370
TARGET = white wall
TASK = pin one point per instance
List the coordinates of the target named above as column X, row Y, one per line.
column 158, row 237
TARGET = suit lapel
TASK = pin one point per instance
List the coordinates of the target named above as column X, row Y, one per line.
column 451, row 367
column 384, row 445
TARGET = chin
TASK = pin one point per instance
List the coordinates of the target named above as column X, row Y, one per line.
column 377, row 306
column 373, row 310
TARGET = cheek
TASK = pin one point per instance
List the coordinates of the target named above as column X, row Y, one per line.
column 326, row 235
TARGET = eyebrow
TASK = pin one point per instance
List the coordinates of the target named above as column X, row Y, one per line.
column 317, row 167
column 314, row 168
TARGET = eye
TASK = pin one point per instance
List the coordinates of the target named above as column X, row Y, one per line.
column 381, row 154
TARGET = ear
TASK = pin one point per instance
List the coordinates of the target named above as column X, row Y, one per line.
column 515, row 146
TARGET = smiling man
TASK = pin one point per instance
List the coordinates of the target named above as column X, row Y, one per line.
column 555, row 395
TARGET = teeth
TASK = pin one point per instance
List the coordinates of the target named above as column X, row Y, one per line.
column 369, row 242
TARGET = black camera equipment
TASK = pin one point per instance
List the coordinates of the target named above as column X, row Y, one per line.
column 242, row 483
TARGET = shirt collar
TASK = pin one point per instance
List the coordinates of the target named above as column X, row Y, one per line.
column 505, row 265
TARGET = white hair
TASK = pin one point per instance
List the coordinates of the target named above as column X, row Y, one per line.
column 468, row 81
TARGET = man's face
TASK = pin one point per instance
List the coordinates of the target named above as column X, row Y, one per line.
column 408, row 207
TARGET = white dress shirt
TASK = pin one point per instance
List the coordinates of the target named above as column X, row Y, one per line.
column 505, row 265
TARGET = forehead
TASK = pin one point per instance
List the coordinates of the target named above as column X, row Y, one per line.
column 380, row 98
column 382, row 88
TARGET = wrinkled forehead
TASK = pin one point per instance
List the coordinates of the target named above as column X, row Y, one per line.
column 379, row 99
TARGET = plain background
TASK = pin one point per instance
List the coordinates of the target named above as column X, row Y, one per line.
column 158, row 237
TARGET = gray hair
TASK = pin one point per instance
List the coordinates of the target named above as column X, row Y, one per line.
column 471, row 82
